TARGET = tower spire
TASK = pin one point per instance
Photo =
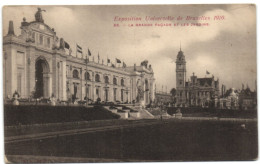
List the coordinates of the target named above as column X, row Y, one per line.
column 180, row 45
column 11, row 28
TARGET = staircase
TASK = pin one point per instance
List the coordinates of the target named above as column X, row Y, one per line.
column 143, row 113
column 136, row 113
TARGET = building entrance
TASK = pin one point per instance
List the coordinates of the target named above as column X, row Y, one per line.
column 41, row 80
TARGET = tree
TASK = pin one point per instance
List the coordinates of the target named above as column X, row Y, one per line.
column 173, row 92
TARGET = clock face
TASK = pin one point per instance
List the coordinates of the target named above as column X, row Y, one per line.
column 180, row 66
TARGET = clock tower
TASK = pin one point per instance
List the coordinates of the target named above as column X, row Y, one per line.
column 180, row 78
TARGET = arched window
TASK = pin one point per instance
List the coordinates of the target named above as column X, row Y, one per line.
column 122, row 82
column 87, row 76
column 106, row 79
column 33, row 36
column 97, row 78
column 41, row 39
column 75, row 74
column 48, row 42
column 114, row 81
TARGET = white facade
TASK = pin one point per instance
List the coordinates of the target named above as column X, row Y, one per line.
column 37, row 64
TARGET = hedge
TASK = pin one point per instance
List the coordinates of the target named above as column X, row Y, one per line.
column 231, row 113
column 29, row 114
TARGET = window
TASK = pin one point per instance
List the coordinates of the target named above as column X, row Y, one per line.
column 106, row 79
column 87, row 90
column 67, row 71
column 19, row 84
column 87, row 76
column 48, row 42
column 68, row 86
column 41, row 39
column 97, row 78
column 76, row 74
column 122, row 95
column 114, row 94
column 180, row 82
column 114, row 81
column 33, row 36
column 97, row 92
column 122, row 82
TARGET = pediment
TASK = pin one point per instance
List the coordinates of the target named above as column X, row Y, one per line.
column 41, row 27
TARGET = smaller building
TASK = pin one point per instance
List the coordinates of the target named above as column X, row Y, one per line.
column 230, row 101
column 247, row 99
column 196, row 91
column 163, row 98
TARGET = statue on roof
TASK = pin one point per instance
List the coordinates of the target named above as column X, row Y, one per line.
column 62, row 44
column 38, row 15
column 144, row 63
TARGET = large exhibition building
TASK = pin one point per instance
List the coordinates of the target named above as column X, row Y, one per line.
column 39, row 64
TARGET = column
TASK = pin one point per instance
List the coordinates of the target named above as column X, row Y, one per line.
column 111, row 93
column 13, row 81
column 94, row 93
column 64, row 81
column 45, row 85
column 81, row 85
column 49, row 85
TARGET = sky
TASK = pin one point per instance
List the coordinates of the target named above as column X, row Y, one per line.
column 226, row 48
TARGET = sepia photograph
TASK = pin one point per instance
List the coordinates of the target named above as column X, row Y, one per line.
column 129, row 83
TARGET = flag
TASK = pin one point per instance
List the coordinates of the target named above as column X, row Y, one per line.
column 118, row 61
column 67, row 45
column 79, row 49
column 207, row 72
column 89, row 53
column 124, row 65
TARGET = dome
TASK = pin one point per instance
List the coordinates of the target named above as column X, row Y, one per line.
column 233, row 94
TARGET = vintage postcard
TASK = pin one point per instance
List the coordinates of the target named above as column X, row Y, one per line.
column 130, row 83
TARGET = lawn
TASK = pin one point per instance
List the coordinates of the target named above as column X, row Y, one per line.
column 177, row 140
